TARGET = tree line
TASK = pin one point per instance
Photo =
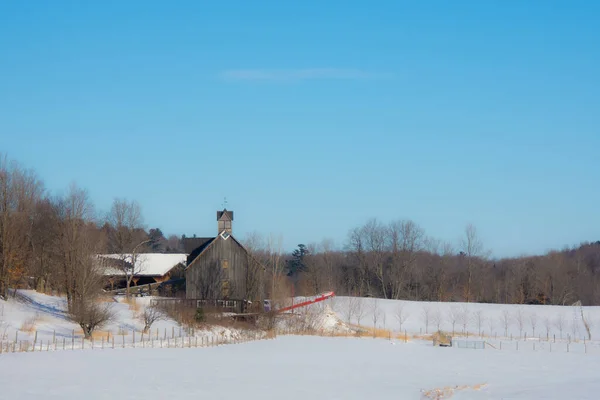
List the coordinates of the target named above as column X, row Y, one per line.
column 397, row 260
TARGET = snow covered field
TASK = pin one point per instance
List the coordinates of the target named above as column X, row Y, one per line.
column 300, row 368
column 517, row 365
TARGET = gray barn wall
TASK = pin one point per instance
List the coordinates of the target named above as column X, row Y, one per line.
column 204, row 275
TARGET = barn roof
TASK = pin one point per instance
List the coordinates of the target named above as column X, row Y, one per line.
column 221, row 215
column 191, row 244
column 198, row 250
column 149, row 264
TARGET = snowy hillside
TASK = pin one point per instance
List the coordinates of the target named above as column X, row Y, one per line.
column 33, row 317
column 491, row 320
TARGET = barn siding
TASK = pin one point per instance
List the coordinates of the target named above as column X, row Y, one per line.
column 204, row 275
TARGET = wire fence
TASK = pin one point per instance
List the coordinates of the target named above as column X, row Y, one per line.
column 123, row 342
column 469, row 344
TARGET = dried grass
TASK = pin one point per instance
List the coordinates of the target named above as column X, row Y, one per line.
column 106, row 299
column 271, row 334
column 133, row 304
column 97, row 335
column 29, row 324
column 448, row 391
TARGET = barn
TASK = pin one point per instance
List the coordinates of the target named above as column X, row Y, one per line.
column 151, row 269
column 220, row 268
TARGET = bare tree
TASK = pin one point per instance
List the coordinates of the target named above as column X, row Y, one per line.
column 255, row 272
column 533, row 321
column 506, row 320
column 77, row 247
column 589, row 324
column 401, row 315
column 150, row 315
column 491, row 325
column 464, row 317
column 437, row 318
column 329, row 266
column 426, row 316
column 560, row 322
column 359, row 309
column 357, row 250
column 472, row 248
column 127, row 237
column 375, row 312
column 479, row 319
column 82, row 272
column 375, row 240
column 520, row 318
column 350, row 309
column 575, row 326
column 548, row 326
column 276, row 265
column 406, row 240
column 19, row 191
column 90, row 315
column 454, row 317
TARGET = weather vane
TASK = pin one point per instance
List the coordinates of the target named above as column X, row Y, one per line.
column 224, row 202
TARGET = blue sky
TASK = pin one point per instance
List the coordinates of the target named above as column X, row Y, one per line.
column 312, row 117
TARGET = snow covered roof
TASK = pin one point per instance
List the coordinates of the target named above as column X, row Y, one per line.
column 147, row 264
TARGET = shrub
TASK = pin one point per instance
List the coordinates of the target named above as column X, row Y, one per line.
column 199, row 316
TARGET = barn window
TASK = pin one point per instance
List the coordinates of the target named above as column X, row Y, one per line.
column 224, row 264
column 224, row 288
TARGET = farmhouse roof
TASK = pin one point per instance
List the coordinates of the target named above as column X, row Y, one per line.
column 148, row 264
